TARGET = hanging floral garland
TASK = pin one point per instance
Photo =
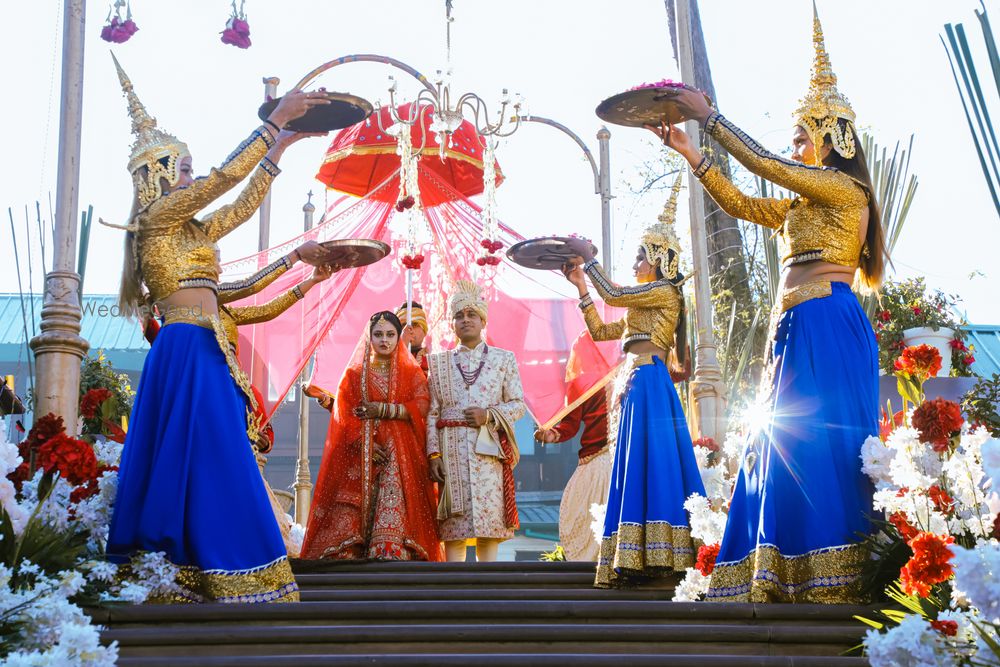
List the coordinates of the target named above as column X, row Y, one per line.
column 489, row 242
column 119, row 26
column 237, row 30
column 409, row 195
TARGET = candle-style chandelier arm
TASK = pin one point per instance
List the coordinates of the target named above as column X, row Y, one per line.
column 481, row 114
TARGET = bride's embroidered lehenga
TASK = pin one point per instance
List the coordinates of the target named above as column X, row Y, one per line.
column 374, row 497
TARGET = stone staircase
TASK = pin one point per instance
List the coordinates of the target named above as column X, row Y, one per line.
column 508, row 613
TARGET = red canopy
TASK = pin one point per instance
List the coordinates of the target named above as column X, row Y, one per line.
column 362, row 156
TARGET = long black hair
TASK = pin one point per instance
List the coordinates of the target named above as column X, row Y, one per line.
column 874, row 253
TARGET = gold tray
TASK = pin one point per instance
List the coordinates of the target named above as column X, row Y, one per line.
column 354, row 253
column 644, row 106
column 343, row 111
column 548, row 252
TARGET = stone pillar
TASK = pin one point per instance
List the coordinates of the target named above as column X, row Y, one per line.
column 59, row 348
column 708, row 392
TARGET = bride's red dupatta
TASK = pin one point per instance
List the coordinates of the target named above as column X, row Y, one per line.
column 340, row 519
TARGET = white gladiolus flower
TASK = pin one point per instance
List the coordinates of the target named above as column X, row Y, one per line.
column 912, row 643
column 693, row 587
column 977, row 575
column 876, row 458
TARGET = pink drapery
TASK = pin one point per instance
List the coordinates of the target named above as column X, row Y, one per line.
column 532, row 313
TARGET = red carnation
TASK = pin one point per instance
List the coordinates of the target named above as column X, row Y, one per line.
column 707, row 553
column 942, row 501
column 92, row 400
column 946, row 628
column 71, row 458
column 885, row 316
column 917, row 310
column 41, row 431
column 920, row 361
column 996, row 527
column 956, row 344
column 708, row 443
column 903, row 526
column 22, row 474
column 969, row 360
column 405, row 203
column 937, row 421
column 930, row 564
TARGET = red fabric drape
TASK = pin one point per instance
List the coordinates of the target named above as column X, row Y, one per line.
column 532, row 313
column 339, row 525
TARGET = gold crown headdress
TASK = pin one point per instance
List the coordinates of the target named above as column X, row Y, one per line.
column 823, row 106
column 660, row 239
column 153, row 148
column 467, row 294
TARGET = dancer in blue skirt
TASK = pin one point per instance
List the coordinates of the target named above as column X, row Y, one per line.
column 798, row 518
column 188, row 482
column 647, row 532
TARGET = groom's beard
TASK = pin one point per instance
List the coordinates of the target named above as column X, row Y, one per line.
column 415, row 349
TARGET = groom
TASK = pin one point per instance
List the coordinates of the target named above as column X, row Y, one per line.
column 476, row 397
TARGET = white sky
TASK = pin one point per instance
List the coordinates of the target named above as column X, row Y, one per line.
column 564, row 56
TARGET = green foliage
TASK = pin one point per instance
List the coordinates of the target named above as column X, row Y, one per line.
column 889, row 553
column 98, row 373
column 908, row 304
column 982, row 402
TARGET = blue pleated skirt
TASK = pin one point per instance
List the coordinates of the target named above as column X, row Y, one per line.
column 646, row 528
column 188, row 482
column 801, row 504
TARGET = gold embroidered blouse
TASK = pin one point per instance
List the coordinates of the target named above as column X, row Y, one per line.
column 652, row 312
column 238, row 289
column 175, row 249
column 822, row 223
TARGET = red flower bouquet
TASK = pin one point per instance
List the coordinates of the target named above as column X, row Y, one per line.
column 938, row 421
column 707, row 554
column 930, row 564
column 71, row 458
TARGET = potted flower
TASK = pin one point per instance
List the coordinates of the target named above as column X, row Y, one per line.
column 911, row 315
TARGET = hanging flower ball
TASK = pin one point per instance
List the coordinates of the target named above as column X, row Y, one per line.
column 120, row 27
column 237, row 30
column 405, row 203
column 413, row 261
column 491, row 246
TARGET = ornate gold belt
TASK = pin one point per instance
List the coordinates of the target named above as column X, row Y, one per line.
column 635, row 360
column 816, row 289
column 187, row 318
column 794, row 296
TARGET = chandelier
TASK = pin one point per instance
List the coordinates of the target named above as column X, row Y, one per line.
column 446, row 112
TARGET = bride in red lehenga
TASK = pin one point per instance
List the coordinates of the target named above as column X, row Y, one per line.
column 374, row 496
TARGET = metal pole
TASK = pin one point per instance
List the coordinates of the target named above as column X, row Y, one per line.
column 264, row 238
column 604, row 138
column 59, row 348
column 602, row 177
column 303, row 477
column 707, row 389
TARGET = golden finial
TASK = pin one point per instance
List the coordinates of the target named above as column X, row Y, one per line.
column 822, row 107
column 660, row 239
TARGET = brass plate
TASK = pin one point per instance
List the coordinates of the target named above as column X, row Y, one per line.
column 547, row 253
column 343, row 111
column 353, row 253
column 645, row 106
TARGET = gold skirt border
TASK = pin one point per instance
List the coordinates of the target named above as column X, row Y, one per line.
column 647, row 550
column 273, row 582
column 827, row 576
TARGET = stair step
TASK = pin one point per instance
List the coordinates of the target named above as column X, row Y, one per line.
column 451, row 580
column 492, row 611
column 499, row 660
column 321, row 594
column 519, row 567
column 540, row 638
